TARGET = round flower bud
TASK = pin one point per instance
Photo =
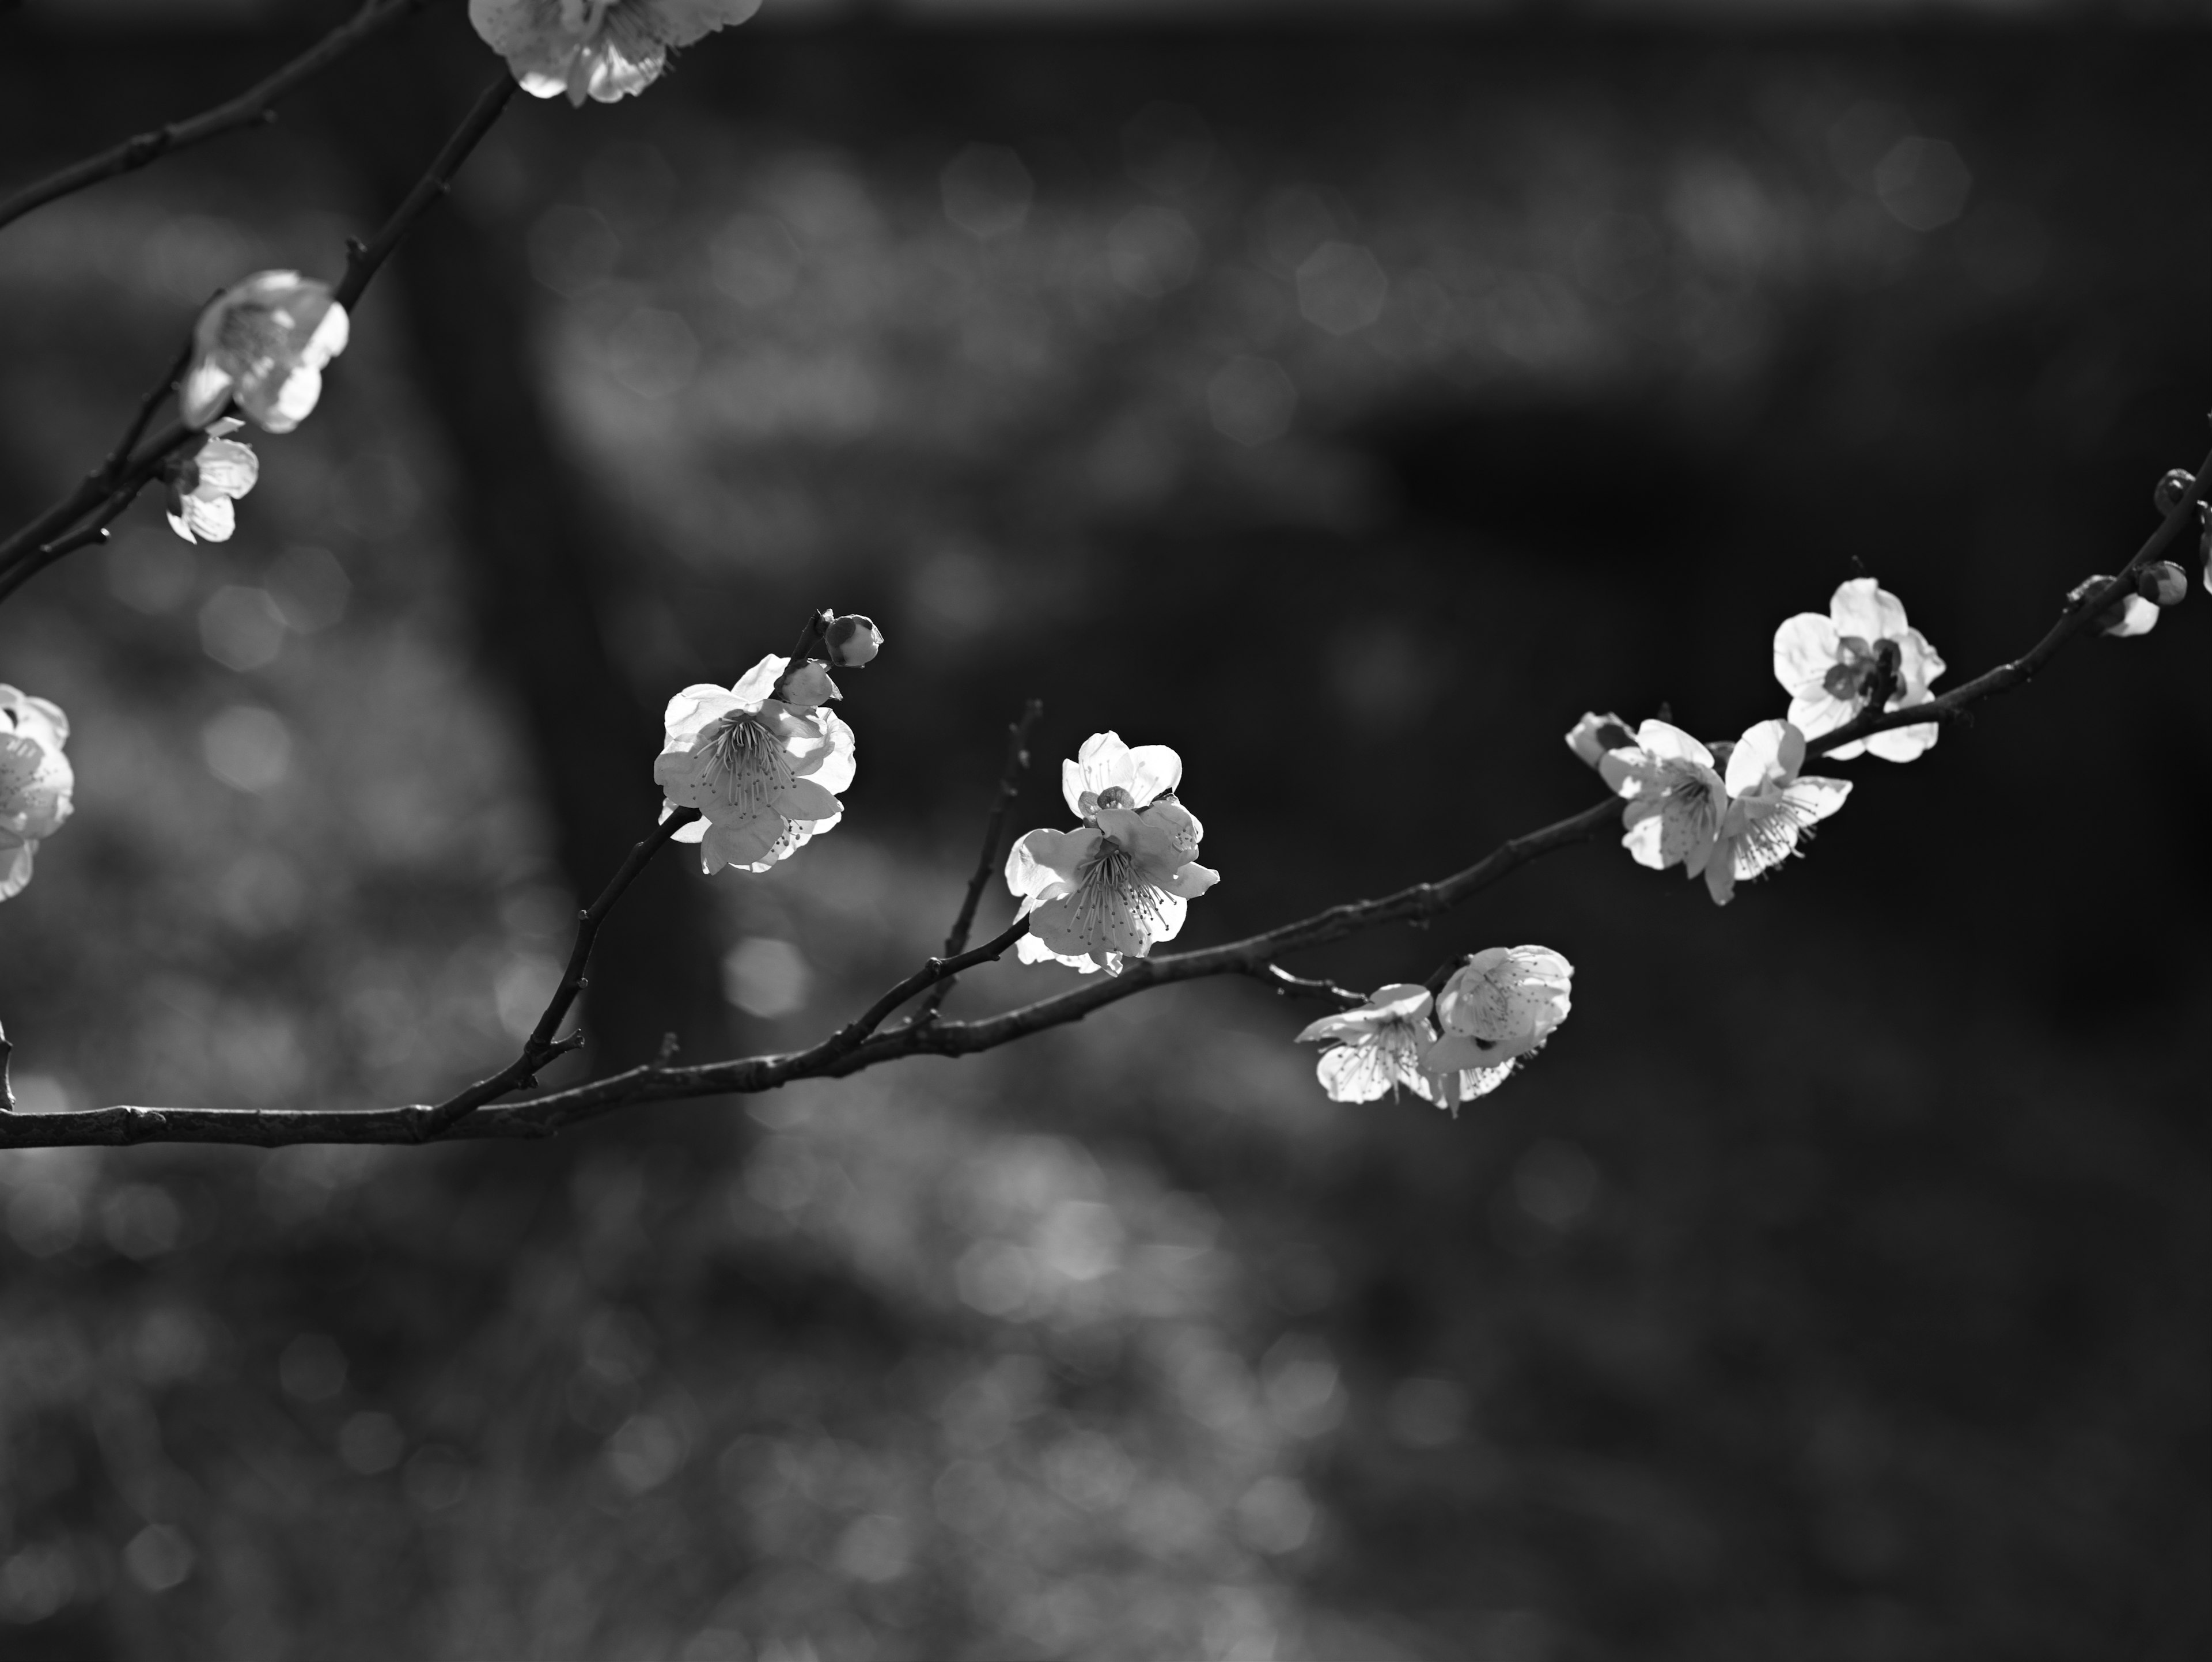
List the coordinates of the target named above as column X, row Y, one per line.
column 852, row 641
column 2174, row 489
column 2164, row 583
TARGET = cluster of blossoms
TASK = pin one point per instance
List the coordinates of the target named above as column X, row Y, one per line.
column 35, row 782
column 1491, row 1015
column 764, row 762
column 602, row 49
column 261, row 345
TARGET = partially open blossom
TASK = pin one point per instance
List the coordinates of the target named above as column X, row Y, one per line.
column 602, row 49
column 35, row 782
column 763, row 771
column 1831, row 666
column 203, row 486
column 852, row 641
column 1376, row 1048
column 264, row 342
column 1770, row 808
column 1594, row 734
column 1123, row 881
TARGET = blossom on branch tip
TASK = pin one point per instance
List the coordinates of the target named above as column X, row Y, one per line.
column 1833, row 668
column 262, row 342
column 1122, row 881
column 763, row 771
column 602, row 49
column 203, row 486
column 35, row 782
column 1376, row 1048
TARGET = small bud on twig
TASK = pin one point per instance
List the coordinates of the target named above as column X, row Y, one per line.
column 2174, row 489
column 2163, row 584
column 852, row 641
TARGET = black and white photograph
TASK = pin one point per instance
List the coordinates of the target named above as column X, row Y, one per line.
column 1105, row 830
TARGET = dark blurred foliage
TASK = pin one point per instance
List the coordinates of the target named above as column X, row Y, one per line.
column 1351, row 412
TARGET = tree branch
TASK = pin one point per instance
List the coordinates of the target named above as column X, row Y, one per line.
column 860, row 1043
column 255, row 107
column 541, row 1047
column 994, row 837
column 363, row 259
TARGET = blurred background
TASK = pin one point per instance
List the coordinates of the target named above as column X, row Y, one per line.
column 1349, row 398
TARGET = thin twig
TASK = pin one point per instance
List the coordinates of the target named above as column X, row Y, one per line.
column 252, row 107
column 85, row 536
column 1299, row 986
column 992, row 854
column 363, row 259
column 541, row 1047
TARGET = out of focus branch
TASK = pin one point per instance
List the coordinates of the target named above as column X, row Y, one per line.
column 363, row 259
column 860, row 1043
column 994, row 837
column 115, row 483
column 256, row 106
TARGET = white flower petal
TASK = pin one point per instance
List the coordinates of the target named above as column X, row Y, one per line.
column 1805, row 650
column 1666, row 742
column 1769, row 753
column 1864, row 608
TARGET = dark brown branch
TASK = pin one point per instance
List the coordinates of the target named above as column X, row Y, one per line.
column 541, row 1047
column 254, row 107
column 2079, row 614
column 994, row 850
column 363, row 259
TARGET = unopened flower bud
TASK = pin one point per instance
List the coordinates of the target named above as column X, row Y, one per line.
column 1593, row 736
column 807, row 686
column 2174, row 489
column 852, row 641
column 2163, row 584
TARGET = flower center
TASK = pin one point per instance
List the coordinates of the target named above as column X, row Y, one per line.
column 1115, row 797
column 752, row 764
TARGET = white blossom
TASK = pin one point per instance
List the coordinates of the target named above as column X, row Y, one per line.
column 202, row 489
column 1374, row 1049
column 763, row 771
column 264, row 342
column 1828, row 666
column 1121, row 882
column 602, row 49
column 35, row 782
column 1497, row 1010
